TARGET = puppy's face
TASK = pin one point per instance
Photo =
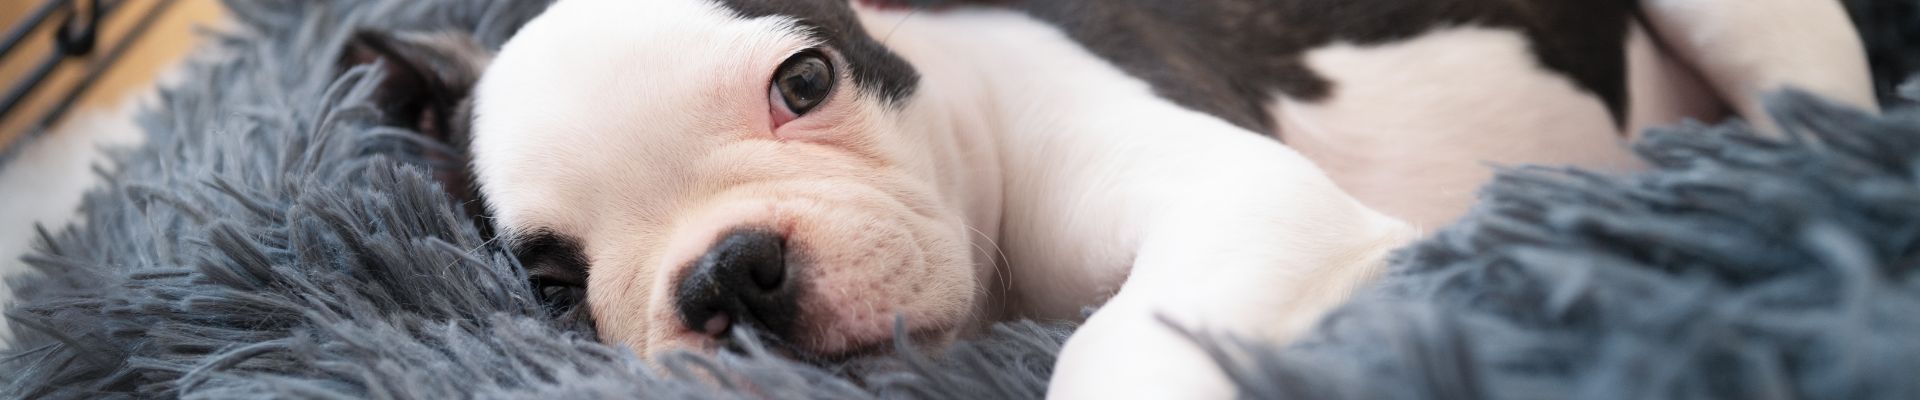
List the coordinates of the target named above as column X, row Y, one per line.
column 701, row 166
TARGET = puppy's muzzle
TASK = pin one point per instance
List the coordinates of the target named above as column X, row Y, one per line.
column 743, row 280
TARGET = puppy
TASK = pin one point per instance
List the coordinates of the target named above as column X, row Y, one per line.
column 816, row 171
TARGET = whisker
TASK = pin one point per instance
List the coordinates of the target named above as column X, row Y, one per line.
column 896, row 26
column 1005, row 272
column 475, row 251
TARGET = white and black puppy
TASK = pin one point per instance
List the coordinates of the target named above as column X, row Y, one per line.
column 813, row 169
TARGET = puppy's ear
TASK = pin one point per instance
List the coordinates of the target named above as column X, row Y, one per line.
column 427, row 86
column 427, row 81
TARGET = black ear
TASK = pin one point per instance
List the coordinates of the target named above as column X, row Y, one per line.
column 427, row 81
column 426, row 86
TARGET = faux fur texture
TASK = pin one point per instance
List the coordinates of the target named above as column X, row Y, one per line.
column 271, row 241
column 1741, row 268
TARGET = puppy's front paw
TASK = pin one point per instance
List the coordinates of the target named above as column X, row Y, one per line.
column 1125, row 354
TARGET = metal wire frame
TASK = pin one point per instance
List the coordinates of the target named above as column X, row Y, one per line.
column 75, row 38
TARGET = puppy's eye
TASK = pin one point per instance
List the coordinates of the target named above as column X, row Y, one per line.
column 559, row 290
column 801, row 83
column 557, row 267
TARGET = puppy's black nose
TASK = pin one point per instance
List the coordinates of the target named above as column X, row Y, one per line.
column 743, row 279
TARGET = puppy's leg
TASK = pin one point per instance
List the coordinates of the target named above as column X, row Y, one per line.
column 1225, row 232
column 1746, row 48
column 1243, row 268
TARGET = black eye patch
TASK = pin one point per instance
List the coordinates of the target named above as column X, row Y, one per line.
column 557, row 266
column 872, row 67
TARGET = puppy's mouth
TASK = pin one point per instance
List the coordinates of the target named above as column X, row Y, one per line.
column 903, row 339
column 753, row 289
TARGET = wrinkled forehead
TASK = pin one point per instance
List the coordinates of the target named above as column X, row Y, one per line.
column 613, row 40
column 594, row 94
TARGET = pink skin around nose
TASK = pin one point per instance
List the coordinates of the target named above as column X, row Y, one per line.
column 714, row 326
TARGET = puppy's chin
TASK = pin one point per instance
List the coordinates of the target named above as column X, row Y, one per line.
column 860, row 256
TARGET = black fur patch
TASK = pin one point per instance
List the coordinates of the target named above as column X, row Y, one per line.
column 874, row 68
column 557, row 265
column 1228, row 57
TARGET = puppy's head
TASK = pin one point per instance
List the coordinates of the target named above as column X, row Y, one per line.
column 701, row 166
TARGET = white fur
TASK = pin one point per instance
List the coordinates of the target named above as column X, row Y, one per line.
column 581, row 102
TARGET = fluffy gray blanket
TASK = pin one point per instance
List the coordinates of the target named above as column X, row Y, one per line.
column 270, row 240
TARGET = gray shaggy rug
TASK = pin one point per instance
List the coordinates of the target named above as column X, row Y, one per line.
column 271, row 240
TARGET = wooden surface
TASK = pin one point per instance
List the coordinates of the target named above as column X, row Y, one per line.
column 168, row 42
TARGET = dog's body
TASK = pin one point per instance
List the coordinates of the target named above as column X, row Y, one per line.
column 813, row 170
column 1405, row 103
